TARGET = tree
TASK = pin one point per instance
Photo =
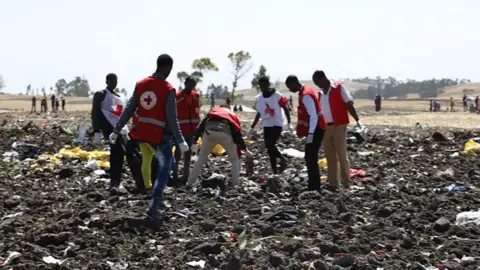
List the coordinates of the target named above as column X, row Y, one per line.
column 241, row 65
column 201, row 66
column 43, row 91
column 61, row 87
column 220, row 91
column 181, row 76
column 51, row 90
column 38, row 91
column 2, row 83
column 262, row 71
column 121, row 91
column 29, row 90
column 78, row 87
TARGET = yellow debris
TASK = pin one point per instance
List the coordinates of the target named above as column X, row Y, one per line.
column 471, row 146
column 216, row 151
column 322, row 163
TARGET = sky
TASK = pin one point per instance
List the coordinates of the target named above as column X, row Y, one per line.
column 43, row 41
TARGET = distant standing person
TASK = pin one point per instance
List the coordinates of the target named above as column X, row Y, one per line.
column 52, row 99
column 378, row 103
column 63, row 104
column 44, row 103
column 34, row 105
column 464, row 100
column 212, row 99
column 431, row 105
column 57, row 104
column 452, row 104
column 336, row 104
column 228, row 101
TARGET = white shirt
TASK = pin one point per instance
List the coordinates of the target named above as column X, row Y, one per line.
column 312, row 113
column 270, row 110
column 325, row 103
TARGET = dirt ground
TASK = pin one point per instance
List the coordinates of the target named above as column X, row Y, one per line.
column 400, row 213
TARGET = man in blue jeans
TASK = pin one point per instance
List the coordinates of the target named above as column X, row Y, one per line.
column 154, row 104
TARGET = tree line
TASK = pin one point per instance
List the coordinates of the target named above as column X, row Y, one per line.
column 391, row 87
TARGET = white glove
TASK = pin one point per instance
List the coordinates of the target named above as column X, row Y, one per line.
column 291, row 129
column 98, row 138
column 184, row 147
column 309, row 138
column 194, row 148
column 113, row 138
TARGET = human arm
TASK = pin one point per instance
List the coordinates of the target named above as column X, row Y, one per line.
column 127, row 113
column 172, row 119
column 200, row 129
column 255, row 121
column 284, row 104
column 348, row 99
column 312, row 113
column 98, row 98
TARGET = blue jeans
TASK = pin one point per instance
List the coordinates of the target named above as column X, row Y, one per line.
column 164, row 156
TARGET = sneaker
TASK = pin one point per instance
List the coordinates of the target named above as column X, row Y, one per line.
column 154, row 216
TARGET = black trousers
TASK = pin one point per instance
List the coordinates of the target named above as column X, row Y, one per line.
column 271, row 136
column 311, row 159
column 118, row 151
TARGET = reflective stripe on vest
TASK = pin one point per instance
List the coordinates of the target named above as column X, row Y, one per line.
column 147, row 120
column 188, row 121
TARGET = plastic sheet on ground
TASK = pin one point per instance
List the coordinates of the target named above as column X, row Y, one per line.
column 468, row 217
column 291, row 152
column 101, row 157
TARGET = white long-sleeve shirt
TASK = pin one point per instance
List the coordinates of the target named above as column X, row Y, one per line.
column 312, row 113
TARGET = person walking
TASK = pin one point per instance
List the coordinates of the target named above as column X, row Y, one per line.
column 63, row 104
column 154, row 104
column 310, row 124
column 52, row 99
column 34, row 105
column 269, row 105
column 336, row 104
column 452, row 104
column 188, row 112
column 220, row 126
column 107, row 107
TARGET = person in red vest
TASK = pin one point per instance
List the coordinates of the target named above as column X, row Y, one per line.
column 156, row 123
column 310, row 124
column 188, row 111
column 221, row 126
column 336, row 103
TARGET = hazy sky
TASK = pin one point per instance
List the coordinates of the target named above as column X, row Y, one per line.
column 42, row 41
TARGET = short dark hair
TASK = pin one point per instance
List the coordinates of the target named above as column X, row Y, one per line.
column 291, row 79
column 263, row 79
column 191, row 78
column 319, row 74
column 164, row 60
column 111, row 76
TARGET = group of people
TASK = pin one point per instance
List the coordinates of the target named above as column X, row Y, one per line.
column 163, row 117
column 55, row 103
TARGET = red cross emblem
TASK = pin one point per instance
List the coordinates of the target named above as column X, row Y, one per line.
column 269, row 110
column 148, row 100
column 117, row 110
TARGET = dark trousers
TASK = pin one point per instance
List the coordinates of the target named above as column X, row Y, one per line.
column 187, row 158
column 271, row 136
column 118, row 151
column 311, row 159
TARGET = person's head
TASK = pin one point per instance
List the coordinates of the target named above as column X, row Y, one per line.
column 293, row 84
column 164, row 64
column 264, row 83
column 320, row 79
column 111, row 81
column 190, row 84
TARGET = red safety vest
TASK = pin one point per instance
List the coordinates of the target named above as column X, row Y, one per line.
column 337, row 106
column 227, row 114
column 188, row 111
column 150, row 122
column 303, row 118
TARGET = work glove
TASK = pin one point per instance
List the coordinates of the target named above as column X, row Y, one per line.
column 113, row 138
column 97, row 139
column 183, row 147
column 309, row 138
column 291, row 129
